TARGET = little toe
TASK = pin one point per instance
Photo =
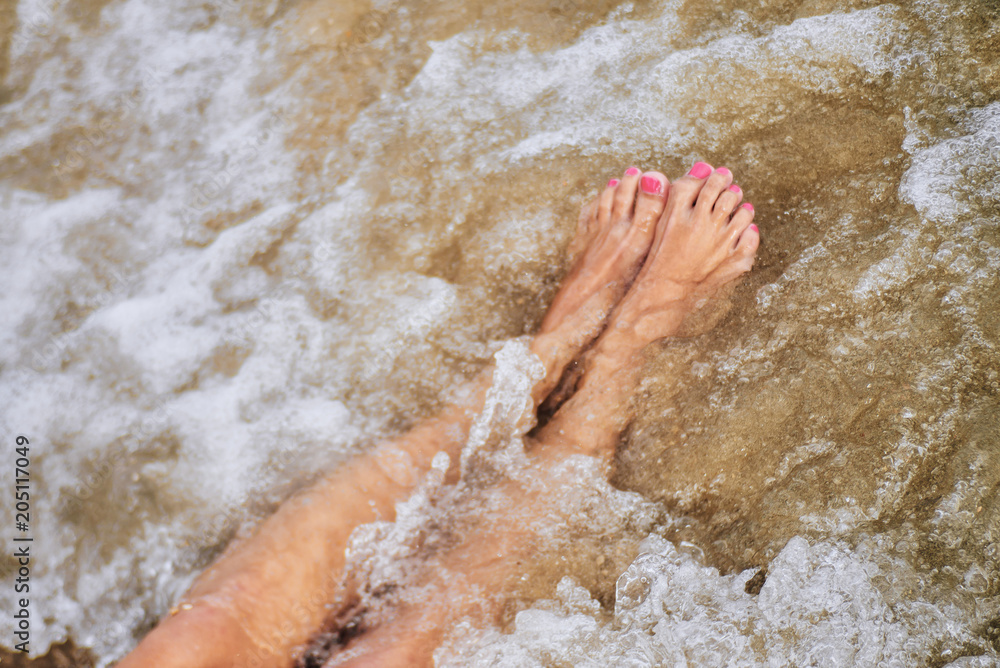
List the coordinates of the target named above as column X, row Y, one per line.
column 650, row 202
column 586, row 229
column 625, row 191
column 718, row 182
column 740, row 260
column 606, row 203
column 727, row 202
column 746, row 249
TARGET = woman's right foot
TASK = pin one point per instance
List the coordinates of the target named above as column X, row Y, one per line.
column 705, row 239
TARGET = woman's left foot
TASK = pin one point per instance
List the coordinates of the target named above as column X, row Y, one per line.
column 613, row 238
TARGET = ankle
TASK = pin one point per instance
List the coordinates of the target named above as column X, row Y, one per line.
column 555, row 354
column 621, row 346
column 640, row 322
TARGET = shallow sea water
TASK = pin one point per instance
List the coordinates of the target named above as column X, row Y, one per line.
column 242, row 241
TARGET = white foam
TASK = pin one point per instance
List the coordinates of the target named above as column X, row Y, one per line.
column 937, row 182
column 821, row 604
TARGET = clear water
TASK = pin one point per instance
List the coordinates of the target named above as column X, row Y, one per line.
column 241, row 241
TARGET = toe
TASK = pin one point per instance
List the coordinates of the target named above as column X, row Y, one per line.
column 586, row 229
column 718, row 182
column 684, row 191
column 727, row 202
column 624, row 201
column 606, row 203
column 746, row 248
column 749, row 242
column 651, row 200
column 741, row 257
column 742, row 220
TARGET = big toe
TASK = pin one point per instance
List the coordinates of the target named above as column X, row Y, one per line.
column 651, row 201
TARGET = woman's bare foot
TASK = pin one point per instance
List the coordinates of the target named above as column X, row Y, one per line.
column 613, row 238
column 697, row 245
column 704, row 240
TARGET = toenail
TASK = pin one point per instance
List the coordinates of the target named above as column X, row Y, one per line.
column 723, row 170
column 748, row 205
column 700, row 170
column 631, row 171
column 612, row 183
column 651, row 185
column 755, row 228
column 734, row 188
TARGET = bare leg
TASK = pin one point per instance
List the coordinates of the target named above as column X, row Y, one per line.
column 262, row 600
column 700, row 246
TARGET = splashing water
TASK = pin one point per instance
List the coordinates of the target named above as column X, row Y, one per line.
column 241, row 241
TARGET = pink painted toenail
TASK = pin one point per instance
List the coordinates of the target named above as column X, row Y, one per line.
column 631, row 171
column 651, row 185
column 754, row 228
column 612, row 183
column 700, row 170
column 723, row 170
column 734, row 188
column 748, row 205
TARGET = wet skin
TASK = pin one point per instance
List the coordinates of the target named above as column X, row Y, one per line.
column 648, row 252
